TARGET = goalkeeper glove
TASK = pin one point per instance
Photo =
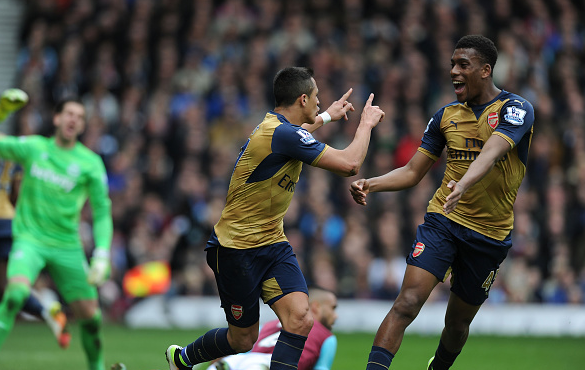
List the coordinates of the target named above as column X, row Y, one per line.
column 99, row 267
column 11, row 101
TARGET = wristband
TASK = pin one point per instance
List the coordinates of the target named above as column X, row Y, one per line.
column 326, row 117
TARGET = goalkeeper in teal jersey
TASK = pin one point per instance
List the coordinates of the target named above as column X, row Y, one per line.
column 59, row 175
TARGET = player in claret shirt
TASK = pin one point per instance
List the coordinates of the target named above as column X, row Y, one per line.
column 467, row 228
column 59, row 175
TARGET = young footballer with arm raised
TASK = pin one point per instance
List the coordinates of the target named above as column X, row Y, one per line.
column 248, row 250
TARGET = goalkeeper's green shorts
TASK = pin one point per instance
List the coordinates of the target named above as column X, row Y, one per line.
column 67, row 266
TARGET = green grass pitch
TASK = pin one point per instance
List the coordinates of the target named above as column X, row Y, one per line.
column 31, row 347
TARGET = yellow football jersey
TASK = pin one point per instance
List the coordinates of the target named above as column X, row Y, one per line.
column 263, row 183
column 487, row 207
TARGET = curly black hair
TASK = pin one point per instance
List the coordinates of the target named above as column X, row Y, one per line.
column 488, row 53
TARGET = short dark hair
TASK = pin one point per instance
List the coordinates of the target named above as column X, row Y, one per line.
column 61, row 103
column 488, row 53
column 290, row 83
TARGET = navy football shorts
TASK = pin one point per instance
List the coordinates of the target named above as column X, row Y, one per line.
column 243, row 276
column 443, row 246
column 5, row 238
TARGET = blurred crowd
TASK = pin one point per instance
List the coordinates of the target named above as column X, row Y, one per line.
column 174, row 87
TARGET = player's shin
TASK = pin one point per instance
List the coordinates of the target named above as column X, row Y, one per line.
column 443, row 358
column 12, row 302
column 211, row 345
column 91, row 340
column 287, row 351
column 379, row 359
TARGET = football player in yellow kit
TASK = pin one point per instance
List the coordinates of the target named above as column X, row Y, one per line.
column 248, row 250
column 467, row 228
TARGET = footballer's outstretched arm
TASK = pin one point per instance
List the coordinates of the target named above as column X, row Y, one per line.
column 400, row 178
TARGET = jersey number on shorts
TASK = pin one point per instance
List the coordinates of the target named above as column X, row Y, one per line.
column 487, row 284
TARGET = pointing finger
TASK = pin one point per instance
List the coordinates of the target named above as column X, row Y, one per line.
column 347, row 94
column 369, row 102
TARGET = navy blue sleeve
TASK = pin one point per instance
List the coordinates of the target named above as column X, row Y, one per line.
column 433, row 140
column 516, row 118
column 296, row 142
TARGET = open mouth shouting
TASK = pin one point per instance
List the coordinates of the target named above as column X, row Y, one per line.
column 459, row 87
